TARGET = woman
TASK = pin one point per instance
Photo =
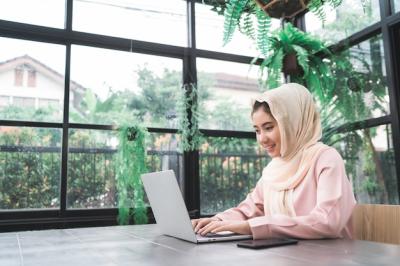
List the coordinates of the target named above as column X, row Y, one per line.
column 304, row 191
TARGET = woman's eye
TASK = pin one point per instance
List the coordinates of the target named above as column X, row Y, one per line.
column 269, row 128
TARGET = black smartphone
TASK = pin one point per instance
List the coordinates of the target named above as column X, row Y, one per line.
column 266, row 243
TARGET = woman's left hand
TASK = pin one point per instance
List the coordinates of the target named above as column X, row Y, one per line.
column 239, row 227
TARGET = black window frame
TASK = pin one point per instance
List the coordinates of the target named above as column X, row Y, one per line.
column 12, row 220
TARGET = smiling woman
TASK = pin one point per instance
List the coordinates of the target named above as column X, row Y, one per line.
column 304, row 191
column 267, row 130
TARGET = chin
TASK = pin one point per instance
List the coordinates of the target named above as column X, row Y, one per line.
column 273, row 154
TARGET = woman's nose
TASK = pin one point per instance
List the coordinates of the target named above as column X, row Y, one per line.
column 263, row 137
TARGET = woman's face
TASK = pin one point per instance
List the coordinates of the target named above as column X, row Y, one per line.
column 267, row 132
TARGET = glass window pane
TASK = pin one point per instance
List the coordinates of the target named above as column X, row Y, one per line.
column 30, row 163
column 92, row 165
column 154, row 21
column 32, row 80
column 125, row 86
column 370, row 165
column 343, row 21
column 210, row 29
column 163, row 154
column 226, row 90
column 362, row 94
column 49, row 13
column 396, row 5
column 229, row 170
column 91, row 169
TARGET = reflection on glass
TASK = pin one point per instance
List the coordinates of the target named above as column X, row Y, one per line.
column 32, row 12
column 226, row 90
column 32, row 81
column 124, row 87
column 229, row 169
column 92, row 165
column 361, row 94
column 154, row 21
column 30, row 163
column 370, row 165
column 343, row 21
column 209, row 33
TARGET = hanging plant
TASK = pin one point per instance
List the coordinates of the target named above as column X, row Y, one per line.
column 248, row 17
column 253, row 17
column 282, row 8
column 188, row 118
column 131, row 163
column 294, row 53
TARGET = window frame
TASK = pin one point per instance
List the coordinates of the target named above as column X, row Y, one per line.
column 12, row 220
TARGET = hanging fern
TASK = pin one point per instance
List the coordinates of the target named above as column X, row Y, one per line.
column 302, row 58
column 131, row 163
column 232, row 14
column 263, row 26
column 189, row 130
column 246, row 26
column 316, row 7
column 316, row 75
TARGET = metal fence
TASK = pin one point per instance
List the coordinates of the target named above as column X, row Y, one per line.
column 30, row 176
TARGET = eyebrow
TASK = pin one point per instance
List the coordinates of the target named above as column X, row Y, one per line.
column 265, row 124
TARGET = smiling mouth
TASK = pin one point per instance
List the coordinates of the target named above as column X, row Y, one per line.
column 270, row 148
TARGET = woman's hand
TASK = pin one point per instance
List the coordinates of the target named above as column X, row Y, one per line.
column 200, row 223
column 239, row 227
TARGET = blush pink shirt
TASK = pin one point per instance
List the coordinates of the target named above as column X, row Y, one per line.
column 323, row 203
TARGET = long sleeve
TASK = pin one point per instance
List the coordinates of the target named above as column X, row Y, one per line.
column 330, row 213
column 252, row 206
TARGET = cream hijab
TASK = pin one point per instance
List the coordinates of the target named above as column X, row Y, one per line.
column 299, row 124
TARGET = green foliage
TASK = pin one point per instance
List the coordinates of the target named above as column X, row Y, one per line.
column 230, row 168
column 232, row 14
column 189, row 123
column 263, row 26
column 91, row 170
column 131, row 163
column 29, row 178
column 370, row 185
column 42, row 114
column 226, row 115
column 290, row 40
column 246, row 26
column 218, row 6
column 316, row 7
column 247, row 16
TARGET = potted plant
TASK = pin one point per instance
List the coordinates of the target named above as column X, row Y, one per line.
column 297, row 54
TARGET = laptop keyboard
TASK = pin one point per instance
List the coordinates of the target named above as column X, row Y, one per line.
column 214, row 235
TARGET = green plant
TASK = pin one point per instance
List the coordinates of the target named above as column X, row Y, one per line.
column 250, row 16
column 131, row 164
column 188, row 123
column 314, row 71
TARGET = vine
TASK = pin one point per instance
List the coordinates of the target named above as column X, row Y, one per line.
column 188, row 124
column 131, row 163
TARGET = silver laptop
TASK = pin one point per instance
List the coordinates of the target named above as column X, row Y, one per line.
column 170, row 211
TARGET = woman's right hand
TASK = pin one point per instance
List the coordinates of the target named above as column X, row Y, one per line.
column 200, row 223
